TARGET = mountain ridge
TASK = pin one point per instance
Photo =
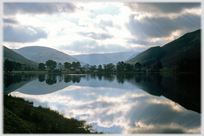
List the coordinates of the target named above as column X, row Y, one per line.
column 185, row 48
column 14, row 56
column 41, row 54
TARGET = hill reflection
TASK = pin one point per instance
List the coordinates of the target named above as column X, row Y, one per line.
column 184, row 89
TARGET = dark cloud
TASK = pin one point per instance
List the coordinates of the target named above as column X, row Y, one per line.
column 163, row 26
column 161, row 7
column 23, row 34
column 10, row 21
column 98, row 36
column 38, row 8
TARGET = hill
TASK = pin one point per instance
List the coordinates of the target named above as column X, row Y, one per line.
column 185, row 50
column 11, row 55
column 100, row 59
column 42, row 54
column 21, row 116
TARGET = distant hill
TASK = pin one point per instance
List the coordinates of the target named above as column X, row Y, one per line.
column 11, row 55
column 100, row 59
column 132, row 56
column 42, row 54
column 186, row 48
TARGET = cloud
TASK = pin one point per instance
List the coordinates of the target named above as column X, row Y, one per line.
column 24, row 34
column 145, row 42
column 38, row 8
column 161, row 114
column 92, row 46
column 161, row 7
column 162, row 26
column 10, row 21
column 110, row 9
column 98, row 36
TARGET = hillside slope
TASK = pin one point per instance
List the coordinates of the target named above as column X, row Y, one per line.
column 100, row 59
column 11, row 55
column 187, row 47
column 42, row 54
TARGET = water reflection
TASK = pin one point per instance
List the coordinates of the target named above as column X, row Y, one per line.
column 127, row 103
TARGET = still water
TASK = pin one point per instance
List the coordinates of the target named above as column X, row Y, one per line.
column 129, row 103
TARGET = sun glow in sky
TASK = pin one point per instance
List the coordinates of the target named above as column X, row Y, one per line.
column 97, row 27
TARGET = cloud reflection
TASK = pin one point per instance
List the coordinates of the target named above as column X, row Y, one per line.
column 119, row 110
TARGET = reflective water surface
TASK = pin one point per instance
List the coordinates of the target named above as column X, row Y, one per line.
column 129, row 103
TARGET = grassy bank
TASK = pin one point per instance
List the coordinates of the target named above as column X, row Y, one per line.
column 29, row 72
column 21, row 116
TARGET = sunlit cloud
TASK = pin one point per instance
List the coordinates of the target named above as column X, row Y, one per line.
column 108, row 24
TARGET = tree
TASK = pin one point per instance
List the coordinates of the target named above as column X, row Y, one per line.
column 92, row 68
column 138, row 66
column 18, row 66
column 99, row 68
column 158, row 65
column 77, row 65
column 8, row 65
column 60, row 66
column 110, row 67
column 120, row 66
column 51, row 64
column 128, row 67
column 41, row 66
column 67, row 65
column 105, row 67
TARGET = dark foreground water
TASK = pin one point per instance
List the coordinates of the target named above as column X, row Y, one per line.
column 131, row 103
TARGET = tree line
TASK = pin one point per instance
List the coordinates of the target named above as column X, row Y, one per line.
column 52, row 66
column 119, row 67
column 15, row 66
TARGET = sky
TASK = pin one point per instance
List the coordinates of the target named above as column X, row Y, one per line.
column 97, row 27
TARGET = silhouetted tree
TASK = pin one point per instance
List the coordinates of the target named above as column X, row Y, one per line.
column 138, row 66
column 8, row 66
column 51, row 64
column 99, row 68
column 60, row 66
column 41, row 66
column 67, row 65
column 110, row 67
column 128, row 67
column 158, row 65
column 120, row 66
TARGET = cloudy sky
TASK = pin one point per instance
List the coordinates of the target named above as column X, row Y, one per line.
column 97, row 27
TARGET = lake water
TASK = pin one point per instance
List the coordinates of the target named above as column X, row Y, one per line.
column 129, row 103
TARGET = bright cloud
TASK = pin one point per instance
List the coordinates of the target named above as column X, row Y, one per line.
column 97, row 27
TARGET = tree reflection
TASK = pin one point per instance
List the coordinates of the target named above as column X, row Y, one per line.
column 120, row 78
column 41, row 78
column 67, row 78
column 76, row 79
column 138, row 78
column 60, row 78
column 51, row 79
column 100, row 76
column 109, row 77
column 10, row 79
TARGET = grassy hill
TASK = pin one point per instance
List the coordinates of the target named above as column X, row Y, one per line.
column 11, row 55
column 21, row 116
column 186, row 49
column 100, row 59
column 42, row 54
